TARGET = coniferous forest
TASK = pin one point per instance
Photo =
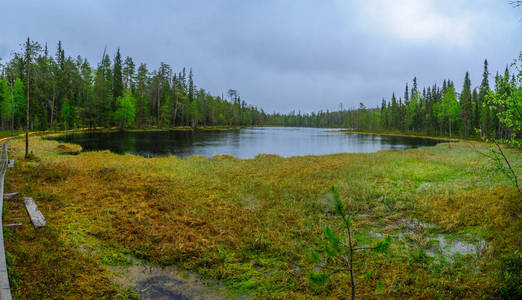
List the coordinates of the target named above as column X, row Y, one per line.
column 65, row 92
column 442, row 110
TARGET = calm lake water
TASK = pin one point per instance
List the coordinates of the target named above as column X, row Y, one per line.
column 242, row 143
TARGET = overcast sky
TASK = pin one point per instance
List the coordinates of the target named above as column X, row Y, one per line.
column 283, row 55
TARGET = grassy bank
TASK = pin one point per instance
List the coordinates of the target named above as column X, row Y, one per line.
column 9, row 133
column 408, row 134
column 156, row 128
column 253, row 224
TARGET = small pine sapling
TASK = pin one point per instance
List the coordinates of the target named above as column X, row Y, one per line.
column 340, row 251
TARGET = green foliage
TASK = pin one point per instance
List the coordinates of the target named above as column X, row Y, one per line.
column 19, row 98
column 67, row 92
column 506, row 102
column 333, row 248
column 511, row 277
column 449, row 109
column 66, row 114
column 18, row 108
column 318, row 278
column 338, row 250
column 383, row 246
column 126, row 112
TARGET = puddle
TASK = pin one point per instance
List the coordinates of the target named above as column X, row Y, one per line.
column 414, row 223
column 436, row 245
column 451, row 247
column 375, row 233
column 156, row 282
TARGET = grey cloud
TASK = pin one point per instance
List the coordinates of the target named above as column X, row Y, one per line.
column 280, row 55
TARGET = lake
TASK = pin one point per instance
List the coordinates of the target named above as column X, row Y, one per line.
column 242, row 143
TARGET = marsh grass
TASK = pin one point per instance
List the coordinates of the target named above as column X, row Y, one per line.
column 252, row 224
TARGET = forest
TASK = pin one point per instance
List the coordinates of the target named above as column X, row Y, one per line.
column 435, row 110
column 64, row 92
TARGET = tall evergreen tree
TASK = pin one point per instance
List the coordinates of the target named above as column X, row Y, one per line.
column 406, row 95
column 117, row 79
column 483, row 116
column 414, row 87
column 31, row 51
column 465, row 102
column 128, row 73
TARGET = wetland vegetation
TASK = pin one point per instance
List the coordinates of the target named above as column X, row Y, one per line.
column 252, row 224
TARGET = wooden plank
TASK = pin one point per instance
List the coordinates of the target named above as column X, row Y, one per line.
column 10, row 196
column 36, row 216
column 5, row 290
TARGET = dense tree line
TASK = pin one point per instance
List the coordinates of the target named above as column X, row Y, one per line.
column 64, row 92
column 433, row 110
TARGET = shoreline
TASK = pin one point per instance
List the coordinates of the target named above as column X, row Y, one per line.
column 403, row 134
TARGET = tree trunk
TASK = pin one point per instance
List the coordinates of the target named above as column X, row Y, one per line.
column 450, row 128
column 52, row 107
column 450, row 133
column 12, row 109
column 158, row 108
column 175, row 112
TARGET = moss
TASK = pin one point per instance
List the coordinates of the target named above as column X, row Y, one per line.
column 252, row 223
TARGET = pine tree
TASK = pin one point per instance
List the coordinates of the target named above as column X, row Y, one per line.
column 484, row 88
column 406, row 95
column 142, row 106
column 383, row 120
column 31, row 50
column 395, row 112
column 128, row 73
column 465, row 102
column 475, row 110
column 414, row 87
column 190, row 86
column 117, row 83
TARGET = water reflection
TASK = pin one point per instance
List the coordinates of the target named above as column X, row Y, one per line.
column 242, row 143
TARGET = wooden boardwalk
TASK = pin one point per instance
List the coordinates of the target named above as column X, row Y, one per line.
column 5, row 289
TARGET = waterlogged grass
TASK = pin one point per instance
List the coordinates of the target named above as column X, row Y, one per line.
column 253, row 224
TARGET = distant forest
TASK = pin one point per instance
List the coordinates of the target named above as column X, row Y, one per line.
column 432, row 110
column 66, row 92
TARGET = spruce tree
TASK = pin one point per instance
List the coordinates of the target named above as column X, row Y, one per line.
column 31, row 50
column 406, row 95
column 414, row 87
column 475, row 110
column 395, row 112
column 128, row 73
column 117, row 79
column 465, row 102
column 484, row 88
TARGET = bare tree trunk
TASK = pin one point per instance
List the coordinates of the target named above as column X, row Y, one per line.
column 175, row 112
column 52, row 107
column 158, row 104
column 12, row 109
column 450, row 133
